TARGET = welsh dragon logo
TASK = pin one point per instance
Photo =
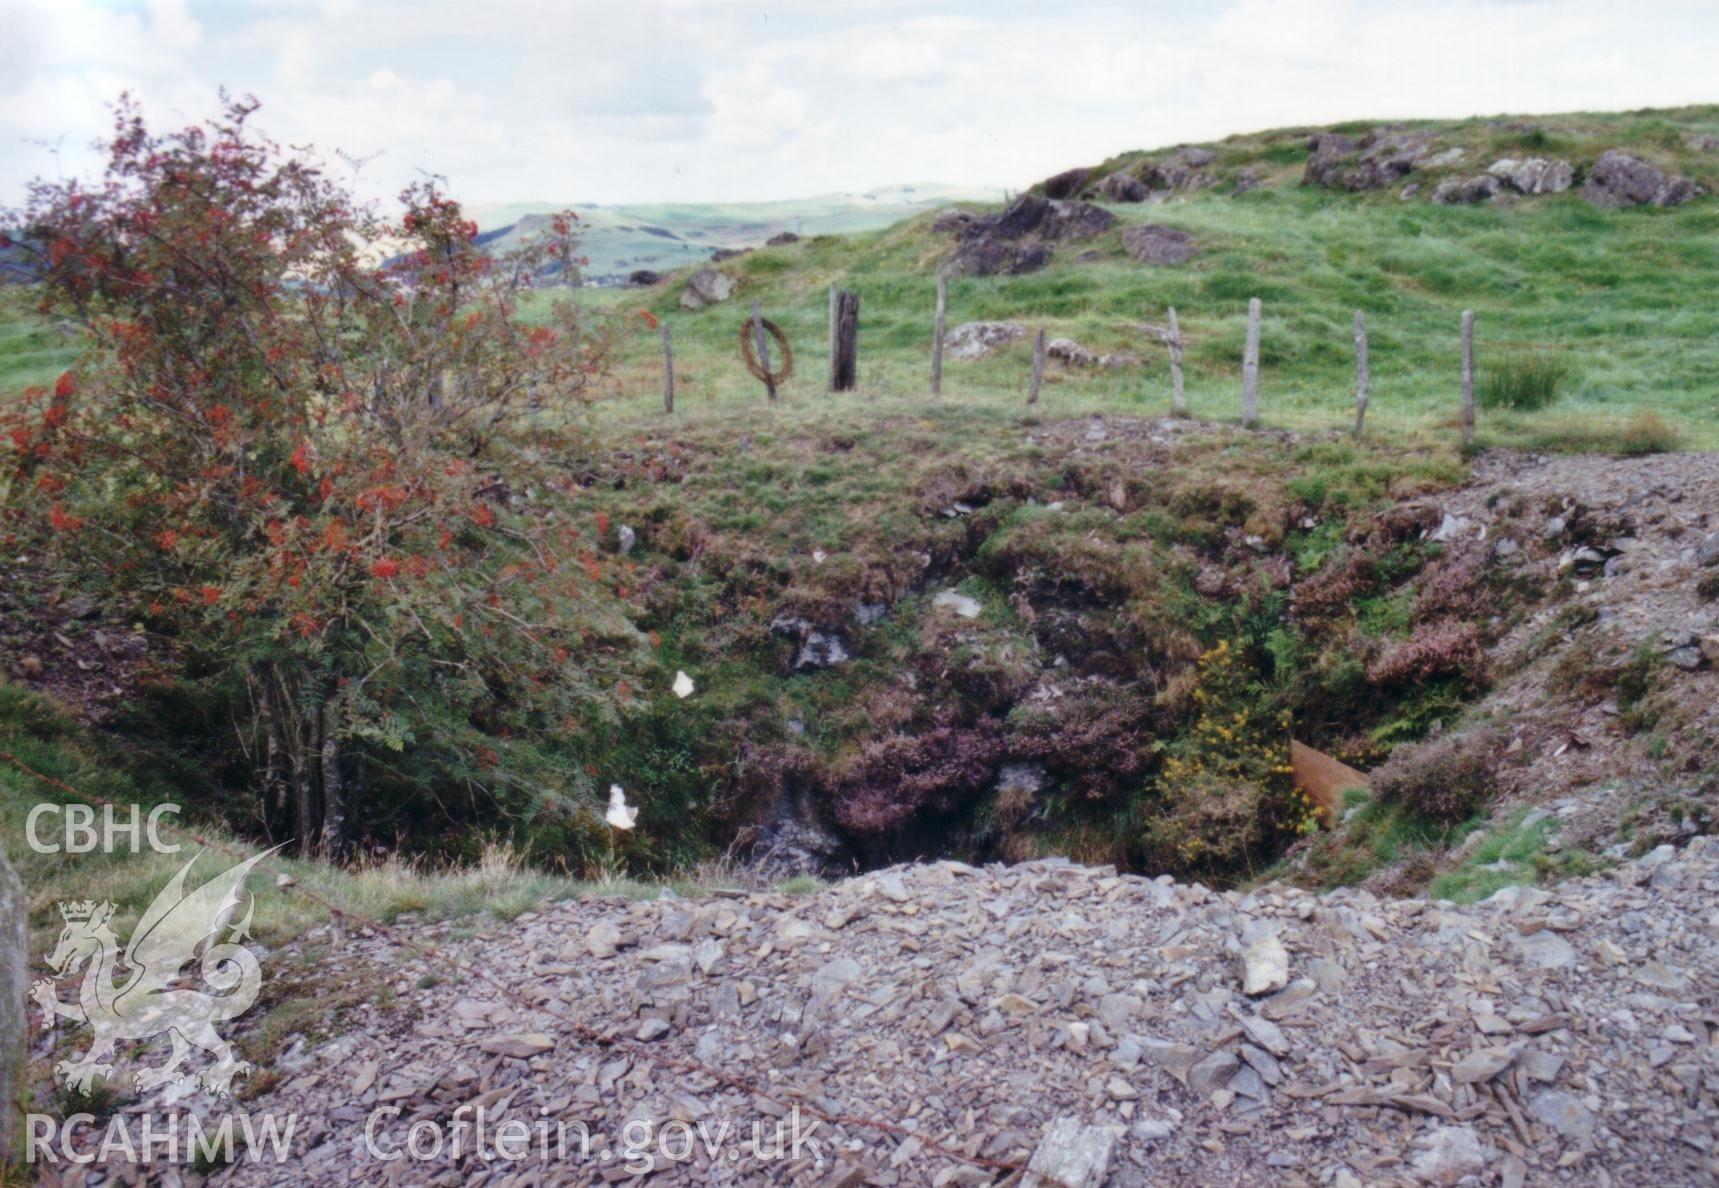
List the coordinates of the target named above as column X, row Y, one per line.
column 150, row 997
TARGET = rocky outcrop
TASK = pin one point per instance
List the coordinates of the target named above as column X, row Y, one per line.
column 1618, row 179
column 1067, row 184
column 975, row 340
column 1533, row 175
column 705, row 287
column 1182, row 171
column 642, row 278
column 1020, row 238
column 1122, row 187
column 1466, row 191
column 1149, row 181
column 782, row 239
column 1376, row 161
column 14, row 966
column 1152, row 243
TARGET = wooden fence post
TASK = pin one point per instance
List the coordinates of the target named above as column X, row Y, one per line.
column 1250, row 367
column 846, row 357
column 763, row 344
column 1178, row 398
column 832, row 343
column 668, row 372
column 937, row 335
column 1467, row 377
column 1038, row 367
column 1363, row 378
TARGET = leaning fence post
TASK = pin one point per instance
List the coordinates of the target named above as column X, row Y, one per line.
column 763, row 350
column 1363, row 378
column 937, row 335
column 1250, row 367
column 668, row 372
column 832, row 382
column 1467, row 377
column 1178, row 398
column 1038, row 367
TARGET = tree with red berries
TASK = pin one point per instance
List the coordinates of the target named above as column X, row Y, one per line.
column 322, row 450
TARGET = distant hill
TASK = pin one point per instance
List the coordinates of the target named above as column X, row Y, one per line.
column 663, row 236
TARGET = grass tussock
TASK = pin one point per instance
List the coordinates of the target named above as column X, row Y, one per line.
column 1525, row 382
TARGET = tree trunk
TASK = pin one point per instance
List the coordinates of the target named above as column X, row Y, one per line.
column 302, row 776
column 332, row 828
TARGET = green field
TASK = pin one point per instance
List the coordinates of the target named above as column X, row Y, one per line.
column 1621, row 300
column 1114, row 567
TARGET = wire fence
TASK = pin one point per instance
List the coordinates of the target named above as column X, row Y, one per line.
column 1487, row 391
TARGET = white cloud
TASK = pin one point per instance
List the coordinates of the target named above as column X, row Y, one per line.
column 698, row 100
column 753, row 111
column 894, row 59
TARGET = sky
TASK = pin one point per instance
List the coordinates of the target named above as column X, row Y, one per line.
column 693, row 101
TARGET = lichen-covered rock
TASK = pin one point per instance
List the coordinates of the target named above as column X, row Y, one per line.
column 705, row 287
column 1183, row 170
column 1618, row 179
column 1072, row 353
column 1378, row 160
column 975, row 340
column 1466, row 191
column 1534, row 175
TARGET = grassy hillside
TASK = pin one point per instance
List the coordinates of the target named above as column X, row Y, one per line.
column 1112, row 579
column 667, row 235
column 1618, row 300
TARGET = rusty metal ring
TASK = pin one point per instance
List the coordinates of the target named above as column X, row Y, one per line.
column 749, row 353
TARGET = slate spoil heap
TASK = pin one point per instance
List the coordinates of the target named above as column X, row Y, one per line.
column 1128, row 1031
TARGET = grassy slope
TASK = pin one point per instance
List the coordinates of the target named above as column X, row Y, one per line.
column 1623, row 294
column 1622, row 297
